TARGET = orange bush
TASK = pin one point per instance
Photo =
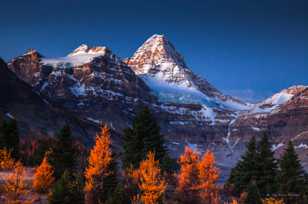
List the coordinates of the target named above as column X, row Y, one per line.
column 43, row 177
column 6, row 160
column 272, row 201
column 14, row 187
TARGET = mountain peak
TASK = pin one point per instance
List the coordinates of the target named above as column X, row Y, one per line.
column 85, row 49
column 32, row 52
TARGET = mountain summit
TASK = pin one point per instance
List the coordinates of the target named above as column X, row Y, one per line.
column 164, row 70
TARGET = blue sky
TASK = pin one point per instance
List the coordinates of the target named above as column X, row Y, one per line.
column 247, row 48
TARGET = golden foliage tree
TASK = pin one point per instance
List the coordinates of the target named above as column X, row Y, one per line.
column 272, row 201
column 6, row 160
column 150, row 181
column 188, row 175
column 14, row 186
column 99, row 163
column 208, row 175
column 43, row 177
column 197, row 178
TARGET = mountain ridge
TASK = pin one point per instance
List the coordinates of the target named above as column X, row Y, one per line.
column 98, row 86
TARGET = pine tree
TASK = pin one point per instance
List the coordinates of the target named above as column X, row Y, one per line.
column 119, row 196
column 253, row 194
column 291, row 177
column 267, row 169
column 149, row 180
column 62, row 156
column 100, row 174
column 144, row 136
column 245, row 170
column 67, row 190
column 43, row 177
column 10, row 137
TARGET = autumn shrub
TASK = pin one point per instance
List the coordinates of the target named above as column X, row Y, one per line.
column 43, row 177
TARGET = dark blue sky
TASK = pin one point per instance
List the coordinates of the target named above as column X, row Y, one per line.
column 249, row 48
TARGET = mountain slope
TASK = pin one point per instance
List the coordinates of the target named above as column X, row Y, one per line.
column 35, row 117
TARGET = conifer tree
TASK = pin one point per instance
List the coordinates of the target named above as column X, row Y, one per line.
column 67, row 190
column 187, row 178
column 149, row 180
column 144, row 136
column 245, row 170
column 208, row 175
column 100, row 174
column 10, row 137
column 43, row 177
column 14, row 185
column 291, row 177
column 267, row 169
column 62, row 156
column 253, row 194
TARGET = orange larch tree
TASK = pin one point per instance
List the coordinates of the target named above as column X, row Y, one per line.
column 187, row 178
column 14, row 186
column 150, row 181
column 98, row 168
column 208, row 175
column 43, row 177
column 6, row 160
column 196, row 181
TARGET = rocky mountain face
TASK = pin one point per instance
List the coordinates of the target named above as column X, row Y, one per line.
column 94, row 85
column 35, row 116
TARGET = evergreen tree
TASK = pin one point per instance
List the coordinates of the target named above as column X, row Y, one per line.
column 245, row 170
column 62, row 156
column 119, row 196
column 67, row 190
column 10, row 137
column 253, row 194
column 144, row 136
column 266, row 168
column 291, row 177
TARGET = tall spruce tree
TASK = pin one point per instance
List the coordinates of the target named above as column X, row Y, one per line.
column 67, row 190
column 245, row 171
column 266, row 168
column 144, row 136
column 10, row 137
column 291, row 177
column 62, row 156
column 253, row 194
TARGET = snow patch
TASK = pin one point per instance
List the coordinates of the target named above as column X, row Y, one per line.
column 256, row 129
column 301, row 146
column 78, row 89
column 276, row 146
column 10, row 115
column 93, row 120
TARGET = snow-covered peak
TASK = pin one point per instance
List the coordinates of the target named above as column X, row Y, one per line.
column 158, row 58
column 277, row 100
column 85, row 49
column 32, row 52
column 81, row 55
column 164, row 70
column 284, row 96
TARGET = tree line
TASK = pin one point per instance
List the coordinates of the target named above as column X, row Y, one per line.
column 144, row 172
